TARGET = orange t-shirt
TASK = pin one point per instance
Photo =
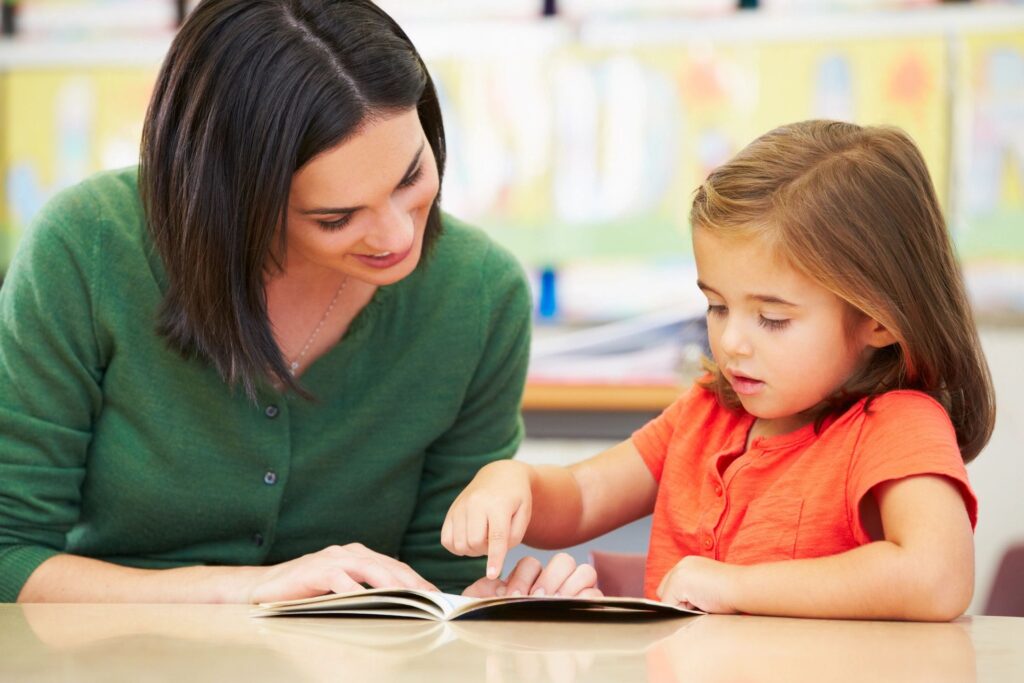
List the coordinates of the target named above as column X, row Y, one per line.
column 791, row 496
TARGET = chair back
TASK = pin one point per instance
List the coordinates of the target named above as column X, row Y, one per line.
column 1007, row 596
column 619, row 574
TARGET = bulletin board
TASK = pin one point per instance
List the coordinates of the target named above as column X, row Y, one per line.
column 60, row 126
column 595, row 153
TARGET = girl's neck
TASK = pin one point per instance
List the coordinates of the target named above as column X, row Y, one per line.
column 777, row 426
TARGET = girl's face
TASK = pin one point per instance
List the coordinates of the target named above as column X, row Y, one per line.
column 783, row 342
column 361, row 208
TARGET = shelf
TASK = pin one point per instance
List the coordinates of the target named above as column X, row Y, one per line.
column 599, row 397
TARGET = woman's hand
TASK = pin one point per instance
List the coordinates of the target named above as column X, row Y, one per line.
column 491, row 514
column 562, row 577
column 702, row 583
column 338, row 569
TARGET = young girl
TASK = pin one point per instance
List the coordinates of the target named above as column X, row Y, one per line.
column 818, row 470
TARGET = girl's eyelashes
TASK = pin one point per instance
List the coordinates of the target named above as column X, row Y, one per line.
column 337, row 224
column 412, row 179
column 772, row 324
column 719, row 310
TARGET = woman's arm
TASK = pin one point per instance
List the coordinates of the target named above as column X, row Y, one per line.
column 341, row 569
column 922, row 570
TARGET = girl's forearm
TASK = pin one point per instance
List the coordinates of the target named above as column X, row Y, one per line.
column 880, row 580
column 557, row 508
column 70, row 578
column 577, row 503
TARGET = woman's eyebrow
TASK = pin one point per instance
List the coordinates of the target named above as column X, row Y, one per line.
column 352, row 209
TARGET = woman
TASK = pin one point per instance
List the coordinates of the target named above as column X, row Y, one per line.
column 263, row 364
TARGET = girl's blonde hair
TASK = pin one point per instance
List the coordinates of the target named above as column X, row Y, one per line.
column 854, row 209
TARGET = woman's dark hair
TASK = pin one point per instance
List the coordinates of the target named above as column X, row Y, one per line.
column 250, row 91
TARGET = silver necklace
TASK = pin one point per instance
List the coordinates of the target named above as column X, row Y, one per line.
column 293, row 366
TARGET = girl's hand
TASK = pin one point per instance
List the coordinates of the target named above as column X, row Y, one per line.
column 702, row 583
column 491, row 515
column 562, row 577
column 338, row 569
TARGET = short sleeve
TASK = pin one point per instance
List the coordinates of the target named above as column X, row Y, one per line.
column 905, row 434
column 652, row 440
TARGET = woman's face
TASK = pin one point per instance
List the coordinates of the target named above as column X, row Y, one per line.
column 361, row 208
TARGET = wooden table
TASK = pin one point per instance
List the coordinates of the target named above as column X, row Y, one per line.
column 197, row 643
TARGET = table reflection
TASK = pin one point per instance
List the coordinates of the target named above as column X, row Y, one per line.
column 208, row 642
column 743, row 648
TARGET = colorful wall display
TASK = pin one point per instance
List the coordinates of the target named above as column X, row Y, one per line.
column 583, row 156
column 60, row 126
column 988, row 136
column 592, row 153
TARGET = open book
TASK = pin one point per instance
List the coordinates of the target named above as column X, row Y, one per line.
column 414, row 604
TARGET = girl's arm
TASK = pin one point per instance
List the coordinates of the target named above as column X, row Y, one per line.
column 607, row 491
column 547, row 506
column 922, row 570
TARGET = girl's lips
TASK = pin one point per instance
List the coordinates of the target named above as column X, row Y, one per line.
column 383, row 261
column 745, row 386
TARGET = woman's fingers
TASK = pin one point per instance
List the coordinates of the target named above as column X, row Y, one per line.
column 582, row 578
column 523, row 576
column 341, row 582
column 485, row 588
column 379, row 570
column 554, row 575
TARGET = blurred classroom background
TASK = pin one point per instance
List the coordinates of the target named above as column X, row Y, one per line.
column 577, row 132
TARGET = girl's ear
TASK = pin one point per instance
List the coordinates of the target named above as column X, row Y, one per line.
column 878, row 335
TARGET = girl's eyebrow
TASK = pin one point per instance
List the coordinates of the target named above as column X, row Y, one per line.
column 408, row 173
column 763, row 298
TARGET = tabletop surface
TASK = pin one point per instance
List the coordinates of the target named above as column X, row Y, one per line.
column 195, row 643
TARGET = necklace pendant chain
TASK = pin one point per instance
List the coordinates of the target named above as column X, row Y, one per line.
column 293, row 366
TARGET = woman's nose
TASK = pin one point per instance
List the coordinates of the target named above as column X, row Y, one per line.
column 393, row 231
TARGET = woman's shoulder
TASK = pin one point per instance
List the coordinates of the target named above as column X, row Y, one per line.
column 467, row 259
column 80, row 210
column 78, row 217
column 463, row 244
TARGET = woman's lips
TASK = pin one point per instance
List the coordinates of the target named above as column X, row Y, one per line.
column 383, row 261
column 745, row 386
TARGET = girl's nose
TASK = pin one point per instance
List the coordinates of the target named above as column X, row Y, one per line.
column 735, row 341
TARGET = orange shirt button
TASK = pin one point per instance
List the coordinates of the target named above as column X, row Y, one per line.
column 708, row 542
column 718, row 490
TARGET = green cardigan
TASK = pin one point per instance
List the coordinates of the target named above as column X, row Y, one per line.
column 115, row 447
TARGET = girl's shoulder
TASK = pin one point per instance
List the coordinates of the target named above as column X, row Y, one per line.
column 905, row 418
column 902, row 404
